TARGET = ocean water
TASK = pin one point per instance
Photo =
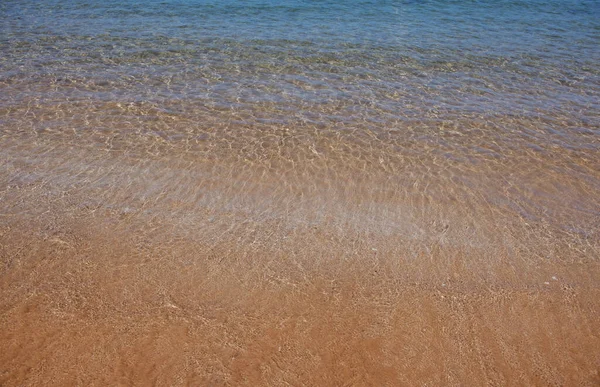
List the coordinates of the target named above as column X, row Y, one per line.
column 388, row 60
column 399, row 106
column 317, row 192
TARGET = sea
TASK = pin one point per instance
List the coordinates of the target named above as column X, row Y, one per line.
column 472, row 122
column 300, row 192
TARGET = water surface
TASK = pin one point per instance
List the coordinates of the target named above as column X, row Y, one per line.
column 242, row 177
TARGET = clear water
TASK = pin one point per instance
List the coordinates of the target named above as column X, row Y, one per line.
column 492, row 102
column 318, row 192
column 376, row 59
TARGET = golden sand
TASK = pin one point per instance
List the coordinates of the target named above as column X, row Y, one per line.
column 295, row 257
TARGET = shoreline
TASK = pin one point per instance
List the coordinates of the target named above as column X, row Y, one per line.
column 306, row 193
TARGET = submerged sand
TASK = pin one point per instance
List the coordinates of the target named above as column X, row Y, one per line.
column 295, row 257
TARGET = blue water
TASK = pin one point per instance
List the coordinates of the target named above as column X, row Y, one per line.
column 401, row 57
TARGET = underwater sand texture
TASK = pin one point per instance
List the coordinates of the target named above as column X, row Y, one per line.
column 299, row 193
column 276, row 255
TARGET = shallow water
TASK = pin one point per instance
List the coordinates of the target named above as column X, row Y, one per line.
column 336, row 157
column 493, row 101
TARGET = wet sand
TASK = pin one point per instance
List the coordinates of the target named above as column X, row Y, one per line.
column 291, row 257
